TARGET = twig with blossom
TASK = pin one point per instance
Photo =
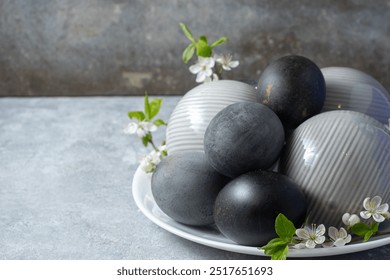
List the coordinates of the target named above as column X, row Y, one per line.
column 309, row 237
column 207, row 60
column 142, row 124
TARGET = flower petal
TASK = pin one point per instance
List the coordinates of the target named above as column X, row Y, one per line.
column 375, row 202
column 208, row 72
column 365, row 214
column 301, row 245
column 383, row 208
column 195, row 69
column 147, row 126
column 210, row 62
column 147, row 165
column 342, row 233
column 155, row 157
column 141, row 132
column 310, row 244
column 348, row 239
column 339, row 242
column 366, row 203
column 345, row 218
column 152, row 127
column 320, row 230
column 354, row 219
column 333, row 233
column 226, row 67
column 302, row 233
column 200, row 77
column 320, row 239
column 207, row 80
column 131, row 128
column 378, row 217
column 234, row 64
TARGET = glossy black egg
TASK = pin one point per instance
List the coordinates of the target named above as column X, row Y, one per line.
column 246, row 208
column 243, row 137
column 185, row 187
column 294, row 88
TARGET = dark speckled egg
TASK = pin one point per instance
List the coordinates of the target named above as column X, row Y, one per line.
column 243, row 137
column 294, row 88
column 185, row 187
column 246, row 208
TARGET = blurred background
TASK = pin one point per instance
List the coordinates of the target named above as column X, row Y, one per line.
column 127, row 47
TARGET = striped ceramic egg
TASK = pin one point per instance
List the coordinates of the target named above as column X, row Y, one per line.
column 338, row 158
column 193, row 113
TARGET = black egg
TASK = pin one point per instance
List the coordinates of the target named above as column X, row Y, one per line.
column 243, row 137
column 185, row 187
column 294, row 88
column 246, row 208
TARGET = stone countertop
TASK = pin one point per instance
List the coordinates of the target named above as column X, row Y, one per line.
column 65, row 184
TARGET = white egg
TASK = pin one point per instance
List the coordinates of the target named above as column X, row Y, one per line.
column 193, row 113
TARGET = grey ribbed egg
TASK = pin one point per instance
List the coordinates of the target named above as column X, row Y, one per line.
column 338, row 158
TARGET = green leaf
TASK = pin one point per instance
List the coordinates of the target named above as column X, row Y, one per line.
column 187, row 32
column 364, row 230
column 368, row 235
column 272, row 246
column 147, row 108
column 277, row 248
column 202, row 47
column 146, row 139
column 281, row 254
column 284, row 227
column 188, row 52
column 137, row 115
column 154, row 107
column 220, row 41
column 360, row 229
column 373, row 229
column 159, row 122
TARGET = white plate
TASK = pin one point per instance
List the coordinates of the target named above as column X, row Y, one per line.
column 211, row 237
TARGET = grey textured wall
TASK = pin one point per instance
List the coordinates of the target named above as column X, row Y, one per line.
column 107, row 47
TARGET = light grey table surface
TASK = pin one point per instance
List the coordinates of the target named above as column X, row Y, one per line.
column 66, row 170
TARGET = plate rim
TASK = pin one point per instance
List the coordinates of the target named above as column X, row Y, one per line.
column 142, row 180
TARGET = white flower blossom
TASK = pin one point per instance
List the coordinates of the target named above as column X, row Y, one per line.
column 147, row 164
column 140, row 128
column 212, row 78
column 163, row 149
column 226, row 61
column 150, row 162
column 350, row 220
column 374, row 209
column 338, row 237
column 310, row 236
column 203, row 69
